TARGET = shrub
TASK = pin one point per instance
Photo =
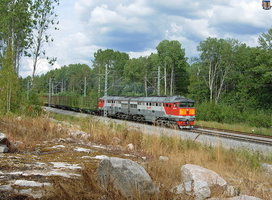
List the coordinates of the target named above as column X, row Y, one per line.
column 224, row 113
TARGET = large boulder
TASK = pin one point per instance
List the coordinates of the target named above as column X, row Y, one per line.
column 200, row 182
column 193, row 173
column 125, row 176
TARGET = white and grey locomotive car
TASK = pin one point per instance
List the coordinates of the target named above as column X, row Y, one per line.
column 163, row 110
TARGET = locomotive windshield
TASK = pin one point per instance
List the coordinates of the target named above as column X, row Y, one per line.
column 186, row 104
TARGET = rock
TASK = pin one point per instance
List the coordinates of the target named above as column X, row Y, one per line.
column 199, row 189
column 163, row 158
column 126, row 176
column 80, row 149
column 4, row 149
column 144, row 158
column 244, row 197
column 3, row 139
column 178, row 189
column 267, row 168
column 78, row 134
column 193, row 173
column 130, row 147
column 5, row 144
column 116, row 140
column 231, row 191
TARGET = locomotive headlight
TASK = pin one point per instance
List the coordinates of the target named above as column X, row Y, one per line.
column 182, row 111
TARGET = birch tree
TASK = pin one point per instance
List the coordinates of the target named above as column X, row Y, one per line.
column 44, row 18
column 172, row 57
column 9, row 83
column 15, row 28
column 218, row 59
column 265, row 40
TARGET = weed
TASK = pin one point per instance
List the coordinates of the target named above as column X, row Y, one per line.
column 241, row 168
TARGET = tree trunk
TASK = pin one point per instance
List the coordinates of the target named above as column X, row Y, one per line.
column 172, row 79
column 145, row 83
column 165, row 79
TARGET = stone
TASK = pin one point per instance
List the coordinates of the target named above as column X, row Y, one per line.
column 231, row 191
column 130, row 147
column 267, row 168
column 163, row 158
column 126, row 176
column 3, row 138
column 4, row 149
column 195, row 173
column 199, row 189
column 244, row 197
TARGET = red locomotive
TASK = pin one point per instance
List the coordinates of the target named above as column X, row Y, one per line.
column 167, row 110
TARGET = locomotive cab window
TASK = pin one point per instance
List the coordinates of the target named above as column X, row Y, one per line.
column 183, row 105
column 190, row 104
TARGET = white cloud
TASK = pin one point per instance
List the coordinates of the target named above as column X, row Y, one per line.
column 42, row 67
column 137, row 26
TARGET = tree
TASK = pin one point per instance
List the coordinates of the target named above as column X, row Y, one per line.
column 265, row 40
column 15, row 28
column 134, row 77
column 197, row 87
column 111, row 64
column 43, row 19
column 172, row 57
column 9, row 83
column 218, row 59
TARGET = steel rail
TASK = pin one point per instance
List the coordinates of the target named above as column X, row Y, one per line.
column 235, row 136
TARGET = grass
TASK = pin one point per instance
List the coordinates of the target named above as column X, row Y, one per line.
column 235, row 127
column 240, row 168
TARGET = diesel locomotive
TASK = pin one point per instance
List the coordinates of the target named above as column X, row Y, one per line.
column 162, row 110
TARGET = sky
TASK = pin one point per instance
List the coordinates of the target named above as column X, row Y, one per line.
column 138, row 26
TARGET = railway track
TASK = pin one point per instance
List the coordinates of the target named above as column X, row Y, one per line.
column 234, row 135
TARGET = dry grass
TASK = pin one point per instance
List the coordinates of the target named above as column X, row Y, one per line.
column 239, row 168
column 30, row 131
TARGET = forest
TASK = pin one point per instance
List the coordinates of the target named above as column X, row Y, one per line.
column 230, row 81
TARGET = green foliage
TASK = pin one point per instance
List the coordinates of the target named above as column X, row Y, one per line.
column 230, row 81
column 224, row 113
column 43, row 18
column 9, row 84
column 265, row 40
column 172, row 59
column 217, row 66
column 259, row 118
column 15, row 28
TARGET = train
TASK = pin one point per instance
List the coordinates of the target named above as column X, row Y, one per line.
column 169, row 111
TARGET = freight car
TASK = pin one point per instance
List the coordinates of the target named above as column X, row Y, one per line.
column 166, row 111
column 74, row 103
